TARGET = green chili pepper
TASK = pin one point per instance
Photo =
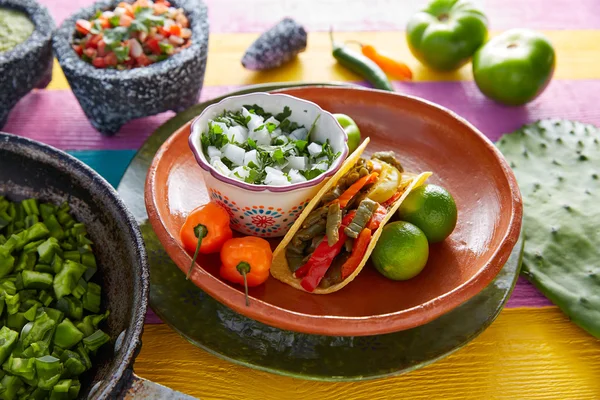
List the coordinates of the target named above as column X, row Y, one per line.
column 66, row 280
column 36, row 280
column 334, row 221
column 360, row 65
column 67, row 335
column 364, row 212
column 54, row 314
column 71, row 306
column 11, row 385
column 8, row 339
column 95, row 340
column 49, row 370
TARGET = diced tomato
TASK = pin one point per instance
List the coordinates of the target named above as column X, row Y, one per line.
column 175, row 30
column 165, row 2
column 154, row 46
column 163, row 31
column 111, row 59
column 104, row 22
column 94, row 40
column 78, row 49
column 125, row 20
column 83, row 26
column 98, row 62
column 101, row 48
column 186, row 45
column 143, row 60
column 90, row 52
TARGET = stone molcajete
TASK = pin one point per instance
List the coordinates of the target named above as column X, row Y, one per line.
column 557, row 166
column 110, row 98
column 29, row 64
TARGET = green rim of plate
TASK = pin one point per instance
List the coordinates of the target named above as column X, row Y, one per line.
column 208, row 324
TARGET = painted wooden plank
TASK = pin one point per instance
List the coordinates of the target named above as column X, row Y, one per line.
column 525, row 354
column 65, row 126
column 373, row 15
column 111, row 164
column 577, row 58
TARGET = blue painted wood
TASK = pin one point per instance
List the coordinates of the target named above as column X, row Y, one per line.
column 111, row 164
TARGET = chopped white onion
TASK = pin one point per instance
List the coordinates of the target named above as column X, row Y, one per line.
column 240, row 173
column 213, row 152
column 272, row 120
column 234, row 153
column 135, row 48
column 298, row 163
column 321, row 166
column 314, row 149
column 300, row 133
column 296, row 177
column 237, row 134
column 261, row 137
column 220, row 166
column 251, row 156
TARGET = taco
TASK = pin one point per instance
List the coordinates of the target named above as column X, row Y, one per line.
column 332, row 240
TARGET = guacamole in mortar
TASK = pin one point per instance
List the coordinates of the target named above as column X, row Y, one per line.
column 15, row 28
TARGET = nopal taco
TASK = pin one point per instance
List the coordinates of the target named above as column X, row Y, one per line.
column 332, row 240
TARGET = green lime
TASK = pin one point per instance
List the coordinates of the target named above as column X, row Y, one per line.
column 351, row 130
column 401, row 251
column 432, row 209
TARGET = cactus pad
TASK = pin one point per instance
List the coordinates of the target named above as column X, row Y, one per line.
column 557, row 165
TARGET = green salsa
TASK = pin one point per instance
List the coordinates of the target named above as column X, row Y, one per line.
column 15, row 28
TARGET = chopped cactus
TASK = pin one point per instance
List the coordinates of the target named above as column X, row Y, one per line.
column 557, row 164
column 275, row 47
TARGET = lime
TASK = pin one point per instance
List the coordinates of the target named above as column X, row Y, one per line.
column 351, row 130
column 432, row 209
column 401, row 251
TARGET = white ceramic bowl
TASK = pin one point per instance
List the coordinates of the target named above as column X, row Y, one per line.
column 265, row 210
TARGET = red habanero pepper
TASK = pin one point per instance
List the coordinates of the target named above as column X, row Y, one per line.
column 246, row 261
column 320, row 260
column 359, row 248
column 205, row 230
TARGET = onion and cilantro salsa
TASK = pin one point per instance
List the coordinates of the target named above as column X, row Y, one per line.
column 254, row 146
column 132, row 35
column 50, row 309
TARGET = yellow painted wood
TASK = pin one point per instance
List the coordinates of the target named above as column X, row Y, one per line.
column 577, row 54
column 526, row 354
column 59, row 81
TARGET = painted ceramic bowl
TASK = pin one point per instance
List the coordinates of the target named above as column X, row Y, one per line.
column 110, row 98
column 425, row 137
column 265, row 210
column 29, row 64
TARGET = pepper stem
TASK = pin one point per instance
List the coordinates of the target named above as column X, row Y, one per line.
column 200, row 231
column 243, row 268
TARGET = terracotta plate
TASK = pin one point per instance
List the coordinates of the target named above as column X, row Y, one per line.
column 427, row 137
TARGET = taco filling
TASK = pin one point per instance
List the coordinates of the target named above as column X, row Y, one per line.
column 333, row 239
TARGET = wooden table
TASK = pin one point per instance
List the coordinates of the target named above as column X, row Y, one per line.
column 531, row 351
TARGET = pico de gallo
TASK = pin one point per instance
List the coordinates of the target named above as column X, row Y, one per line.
column 132, row 35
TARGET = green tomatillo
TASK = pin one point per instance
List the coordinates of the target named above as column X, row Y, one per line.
column 514, row 67
column 446, row 33
column 351, row 130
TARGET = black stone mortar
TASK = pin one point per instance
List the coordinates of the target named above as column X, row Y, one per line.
column 29, row 64
column 110, row 98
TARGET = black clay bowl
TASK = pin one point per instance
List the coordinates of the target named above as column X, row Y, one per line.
column 29, row 64
column 32, row 169
column 110, row 98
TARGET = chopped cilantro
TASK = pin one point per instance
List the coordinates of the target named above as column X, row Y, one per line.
column 251, row 144
column 271, row 127
column 258, row 110
column 146, row 16
column 313, row 173
column 252, row 165
column 301, row 145
column 260, row 128
column 166, row 48
column 287, row 126
column 115, row 20
column 278, row 142
column 122, row 53
column 227, row 162
column 138, row 26
column 98, row 14
column 114, row 37
column 279, row 156
column 214, row 137
column 286, row 113
column 96, row 27
column 312, row 127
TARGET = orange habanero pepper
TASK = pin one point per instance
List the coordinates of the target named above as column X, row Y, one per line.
column 246, row 261
column 205, row 230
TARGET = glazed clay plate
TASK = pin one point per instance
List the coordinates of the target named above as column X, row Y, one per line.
column 426, row 137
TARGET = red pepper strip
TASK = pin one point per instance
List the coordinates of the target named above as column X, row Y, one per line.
column 359, row 248
column 320, row 260
column 345, row 198
column 377, row 217
column 323, row 247
column 392, row 199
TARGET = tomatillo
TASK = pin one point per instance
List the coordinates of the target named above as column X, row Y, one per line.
column 446, row 33
column 351, row 130
column 515, row 67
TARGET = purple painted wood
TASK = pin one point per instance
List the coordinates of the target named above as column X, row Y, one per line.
column 373, row 15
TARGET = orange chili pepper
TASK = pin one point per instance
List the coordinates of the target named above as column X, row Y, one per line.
column 355, row 188
column 359, row 249
column 205, row 230
column 246, row 261
column 390, row 66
